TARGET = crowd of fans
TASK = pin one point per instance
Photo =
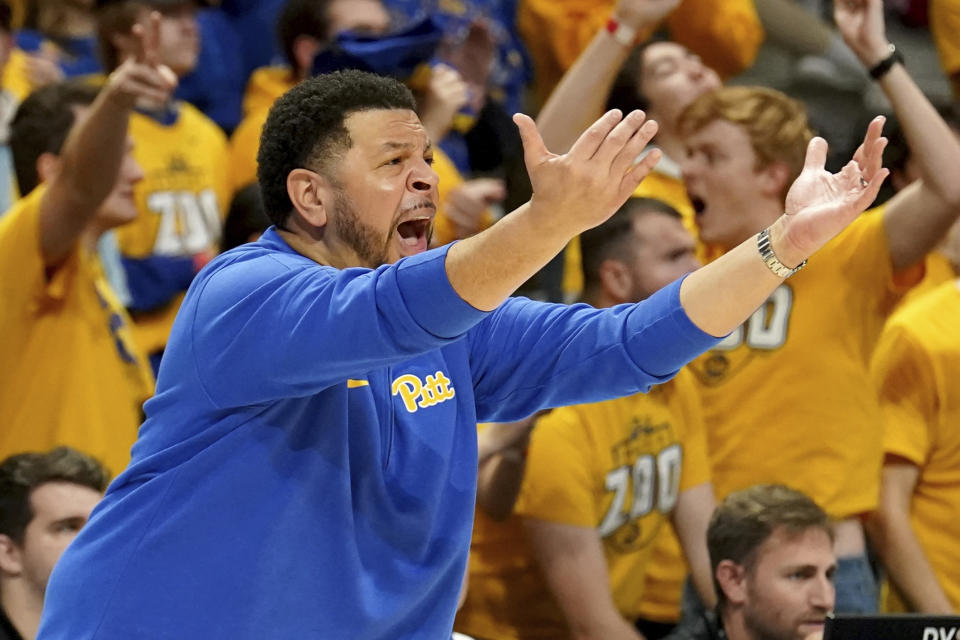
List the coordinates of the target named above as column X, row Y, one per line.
column 805, row 465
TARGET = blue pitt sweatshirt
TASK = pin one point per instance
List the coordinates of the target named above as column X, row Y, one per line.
column 308, row 465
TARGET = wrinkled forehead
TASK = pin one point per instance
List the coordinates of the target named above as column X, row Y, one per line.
column 376, row 128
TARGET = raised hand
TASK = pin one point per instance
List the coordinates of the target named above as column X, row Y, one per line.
column 585, row 186
column 446, row 93
column 466, row 203
column 821, row 204
column 643, row 13
column 862, row 26
column 141, row 78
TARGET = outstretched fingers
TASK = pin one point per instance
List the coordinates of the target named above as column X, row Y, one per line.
column 816, row 158
column 590, row 140
column 534, row 150
column 869, row 154
column 639, row 171
column 622, row 146
column 870, row 190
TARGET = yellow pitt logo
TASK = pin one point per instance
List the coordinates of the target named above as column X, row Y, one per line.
column 414, row 393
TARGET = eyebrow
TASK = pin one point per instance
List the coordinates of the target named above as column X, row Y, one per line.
column 403, row 146
column 68, row 520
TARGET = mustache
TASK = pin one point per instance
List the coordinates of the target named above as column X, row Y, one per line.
column 420, row 204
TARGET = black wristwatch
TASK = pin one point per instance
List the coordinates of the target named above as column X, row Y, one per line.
column 880, row 69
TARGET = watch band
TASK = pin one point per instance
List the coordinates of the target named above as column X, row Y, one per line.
column 622, row 33
column 770, row 258
column 880, row 69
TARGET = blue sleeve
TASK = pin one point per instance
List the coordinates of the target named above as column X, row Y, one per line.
column 266, row 329
column 531, row 355
column 155, row 280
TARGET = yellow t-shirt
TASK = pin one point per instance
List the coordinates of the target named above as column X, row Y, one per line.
column 938, row 270
column 266, row 84
column 916, row 369
column 71, row 373
column 945, row 28
column 787, row 398
column 182, row 201
column 14, row 77
column 727, row 35
column 244, row 145
column 618, row 466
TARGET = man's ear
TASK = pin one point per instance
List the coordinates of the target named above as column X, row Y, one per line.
column 733, row 581
column 310, row 194
column 11, row 562
column 775, row 179
column 615, row 279
column 48, row 166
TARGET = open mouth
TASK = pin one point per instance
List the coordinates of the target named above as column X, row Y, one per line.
column 698, row 204
column 414, row 233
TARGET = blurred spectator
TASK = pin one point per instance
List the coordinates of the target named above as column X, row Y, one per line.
column 915, row 530
column 509, row 71
column 725, row 34
column 246, row 218
column 745, row 146
column 660, row 77
column 8, row 106
column 183, row 196
column 45, row 499
column 600, row 478
column 59, row 41
column 945, row 27
column 216, row 84
column 771, row 549
column 306, row 27
column 72, row 374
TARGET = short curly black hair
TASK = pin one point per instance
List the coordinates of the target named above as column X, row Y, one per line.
column 305, row 128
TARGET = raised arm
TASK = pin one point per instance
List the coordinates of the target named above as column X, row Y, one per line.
column 582, row 93
column 918, row 217
column 94, row 150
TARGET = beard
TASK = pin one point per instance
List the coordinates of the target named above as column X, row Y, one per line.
column 369, row 245
column 764, row 625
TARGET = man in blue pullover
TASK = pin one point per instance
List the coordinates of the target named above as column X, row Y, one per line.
column 308, row 465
